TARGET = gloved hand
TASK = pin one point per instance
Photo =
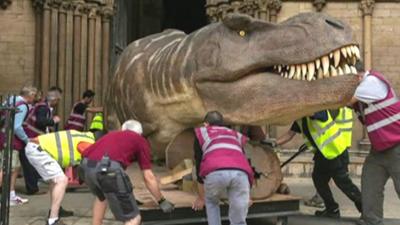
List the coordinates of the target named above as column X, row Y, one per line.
column 270, row 142
column 166, row 206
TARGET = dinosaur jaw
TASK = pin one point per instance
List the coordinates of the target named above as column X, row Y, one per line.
column 338, row 62
column 264, row 98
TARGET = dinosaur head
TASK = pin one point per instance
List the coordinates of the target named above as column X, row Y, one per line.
column 255, row 72
column 252, row 71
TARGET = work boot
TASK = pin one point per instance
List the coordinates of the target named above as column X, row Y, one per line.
column 328, row 213
column 58, row 222
column 63, row 213
column 316, row 201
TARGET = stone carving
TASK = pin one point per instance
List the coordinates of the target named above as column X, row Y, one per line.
column 319, row 4
column 367, row 7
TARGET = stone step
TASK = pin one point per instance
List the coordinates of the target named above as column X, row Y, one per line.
column 302, row 166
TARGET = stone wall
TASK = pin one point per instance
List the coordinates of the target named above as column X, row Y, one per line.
column 17, row 42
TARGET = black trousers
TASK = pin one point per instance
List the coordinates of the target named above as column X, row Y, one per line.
column 31, row 176
column 336, row 169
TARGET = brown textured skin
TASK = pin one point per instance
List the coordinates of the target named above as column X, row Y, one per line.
column 168, row 81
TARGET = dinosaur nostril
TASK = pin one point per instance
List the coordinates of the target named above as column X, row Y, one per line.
column 334, row 24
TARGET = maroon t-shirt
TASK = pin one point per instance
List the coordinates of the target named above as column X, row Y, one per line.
column 124, row 147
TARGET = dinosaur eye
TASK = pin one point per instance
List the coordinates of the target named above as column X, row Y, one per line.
column 334, row 24
column 242, row 33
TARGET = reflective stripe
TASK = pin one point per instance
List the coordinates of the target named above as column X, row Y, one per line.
column 383, row 122
column 32, row 128
column 325, row 128
column 344, row 121
column 374, row 107
column 346, row 129
column 240, row 138
column 70, row 148
column 206, row 138
column 222, row 145
column 59, row 148
column 330, row 140
column 76, row 123
column 82, row 135
column 78, row 116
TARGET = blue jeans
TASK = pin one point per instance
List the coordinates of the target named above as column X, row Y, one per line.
column 233, row 183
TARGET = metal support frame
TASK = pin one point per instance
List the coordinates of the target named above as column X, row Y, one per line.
column 275, row 209
column 9, row 110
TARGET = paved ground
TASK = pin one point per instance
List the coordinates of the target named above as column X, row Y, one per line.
column 35, row 211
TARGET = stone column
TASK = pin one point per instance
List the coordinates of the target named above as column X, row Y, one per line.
column 106, row 15
column 69, row 57
column 263, row 9
column 84, row 46
column 76, row 63
column 366, row 7
column 38, row 41
column 274, row 8
column 55, row 4
column 91, row 45
column 319, row 4
column 62, row 30
column 98, row 51
column 45, row 60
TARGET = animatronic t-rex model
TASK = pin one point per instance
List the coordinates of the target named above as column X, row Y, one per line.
column 252, row 71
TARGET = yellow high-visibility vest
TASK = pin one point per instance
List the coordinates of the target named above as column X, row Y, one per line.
column 97, row 122
column 345, row 122
column 326, row 135
column 63, row 145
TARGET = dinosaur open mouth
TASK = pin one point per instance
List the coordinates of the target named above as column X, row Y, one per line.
column 337, row 63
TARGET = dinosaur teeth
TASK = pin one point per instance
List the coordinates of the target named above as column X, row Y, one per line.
column 356, row 51
column 344, row 52
column 317, row 63
column 331, row 55
column 340, row 71
column 334, row 72
column 320, row 73
column 311, row 71
column 303, row 71
column 279, row 68
column 298, row 72
column 325, row 64
column 291, row 72
column 349, row 51
column 336, row 57
column 353, row 60
column 346, row 69
column 353, row 70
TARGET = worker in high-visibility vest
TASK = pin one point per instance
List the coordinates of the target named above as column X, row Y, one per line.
column 322, row 134
column 97, row 122
column 48, row 153
column 344, row 121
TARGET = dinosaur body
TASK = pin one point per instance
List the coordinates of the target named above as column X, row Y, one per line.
column 252, row 71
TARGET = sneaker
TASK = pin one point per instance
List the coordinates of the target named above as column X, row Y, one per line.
column 328, row 213
column 18, row 201
column 315, row 201
column 63, row 213
column 58, row 222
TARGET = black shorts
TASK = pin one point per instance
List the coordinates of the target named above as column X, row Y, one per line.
column 115, row 187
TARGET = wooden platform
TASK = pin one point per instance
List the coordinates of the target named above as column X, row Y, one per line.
column 276, row 206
